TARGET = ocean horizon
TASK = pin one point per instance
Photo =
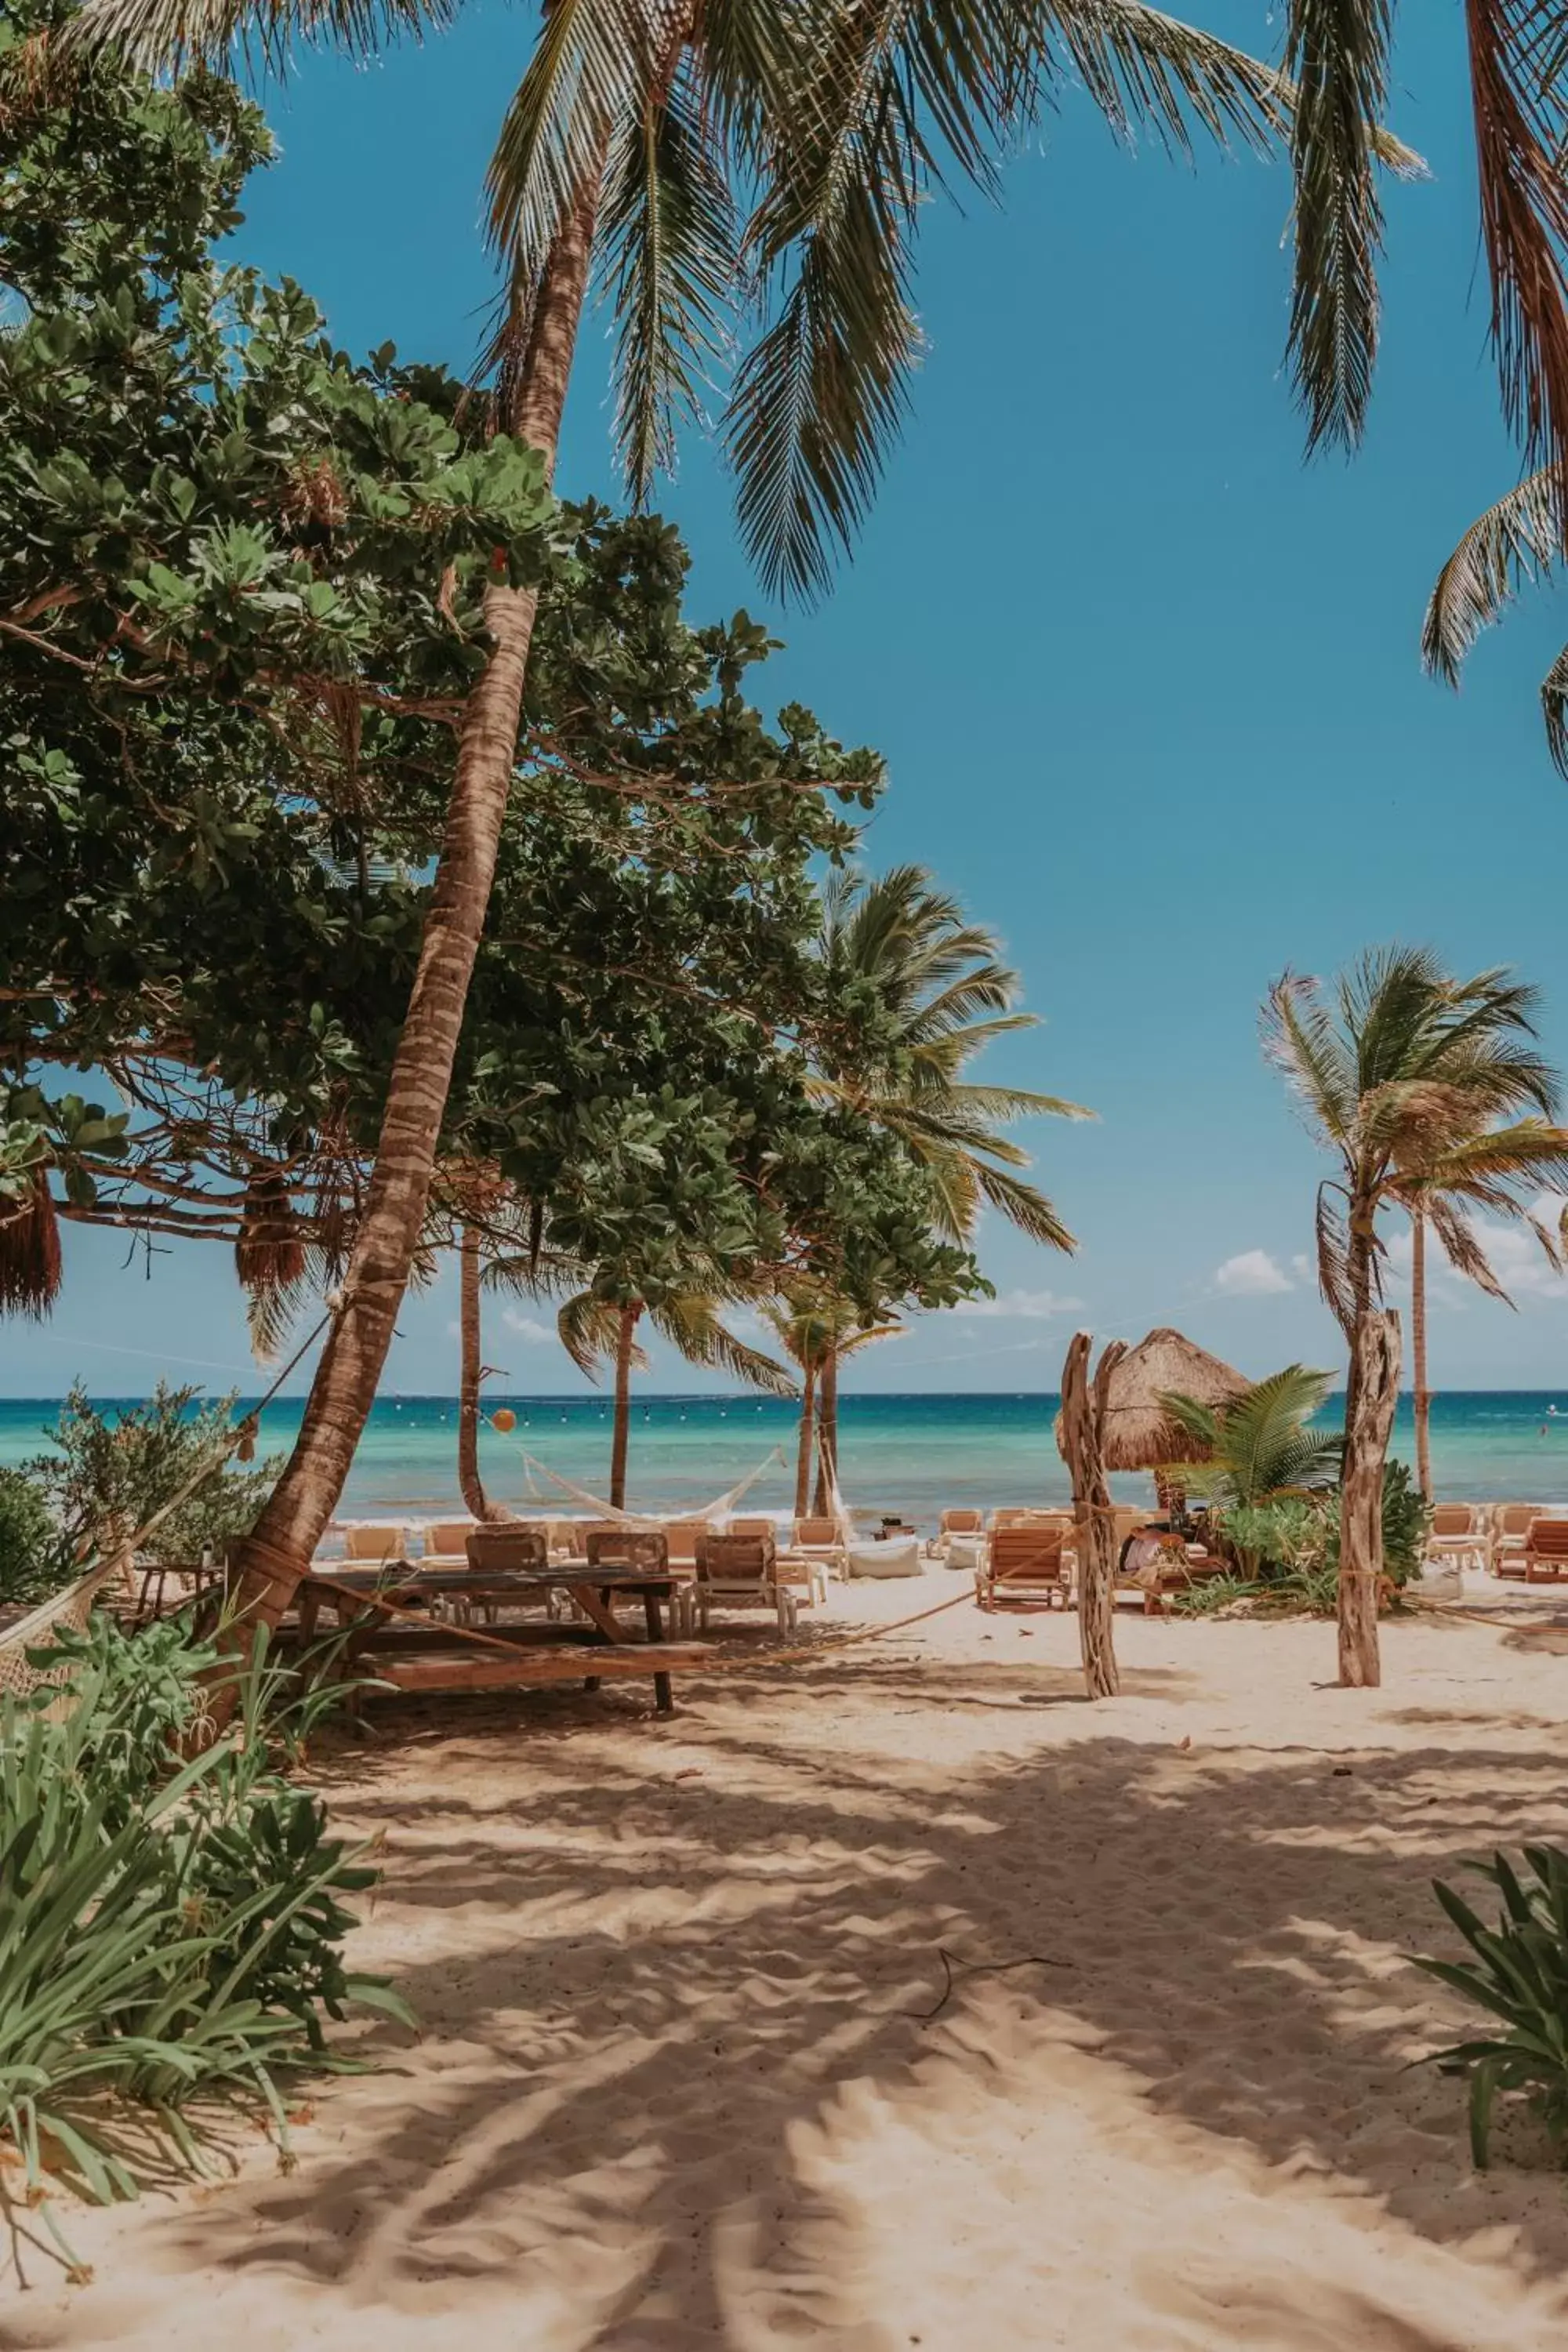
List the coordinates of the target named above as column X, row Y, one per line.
column 907, row 1454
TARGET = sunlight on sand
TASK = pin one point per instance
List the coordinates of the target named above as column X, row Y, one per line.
column 679, row 2084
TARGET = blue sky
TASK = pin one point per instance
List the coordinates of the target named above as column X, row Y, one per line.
column 1148, row 686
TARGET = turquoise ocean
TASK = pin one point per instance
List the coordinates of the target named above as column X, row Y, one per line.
column 906, row 1454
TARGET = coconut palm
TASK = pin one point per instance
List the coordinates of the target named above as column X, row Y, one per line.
column 930, row 994
column 1260, row 1443
column 638, row 137
column 1415, row 1065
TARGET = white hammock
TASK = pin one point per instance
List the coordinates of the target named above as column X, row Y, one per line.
column 713, row 1510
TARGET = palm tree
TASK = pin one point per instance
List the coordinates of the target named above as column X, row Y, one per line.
column 936, row 995
column 1499, row 1168
column 818, row 1331
column 1415, row 1066
column 635, row 140
column 1260, row 1443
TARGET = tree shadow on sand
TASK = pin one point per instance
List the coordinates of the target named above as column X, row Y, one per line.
column 676, row 1990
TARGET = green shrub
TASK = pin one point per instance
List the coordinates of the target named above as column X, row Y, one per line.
column 1214, row 1593
column 1520, row 1975
column 170, row 1932
column 35, row 1557
column 109, row 1475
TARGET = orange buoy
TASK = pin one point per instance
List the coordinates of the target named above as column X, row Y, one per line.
column 504, row 1419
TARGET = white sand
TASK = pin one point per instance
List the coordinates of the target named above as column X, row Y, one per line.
column 673, row 2091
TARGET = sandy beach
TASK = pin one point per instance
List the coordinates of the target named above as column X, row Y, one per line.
column 679, row 2084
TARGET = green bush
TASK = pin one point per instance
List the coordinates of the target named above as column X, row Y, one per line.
column 35, row 1557
column 1520, row 1976
column 170, row 1932
column 109, row 1475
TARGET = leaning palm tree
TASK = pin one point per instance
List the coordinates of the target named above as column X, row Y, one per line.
column 936, row 994
column 694, row 159
column 1403, row 1068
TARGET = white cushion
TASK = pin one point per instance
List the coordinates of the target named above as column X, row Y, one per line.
column 899, row 1556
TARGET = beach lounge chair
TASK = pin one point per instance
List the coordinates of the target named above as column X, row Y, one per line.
column 622, row 1547
column 968, row 1526
column 1025, row 1563
column 447, row 1543
column 375, row 1543
column 1458, row 1533
column 741, row 1572
column 1546, row 1553
column 820, row 1544
column 1511, row 1522
column 1023, row 1515
column 753, row 1528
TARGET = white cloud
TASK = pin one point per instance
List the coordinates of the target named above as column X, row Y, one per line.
column 1020, row 1306
column 526, row 1327
column 1252, row 1273
column 1512, row 1251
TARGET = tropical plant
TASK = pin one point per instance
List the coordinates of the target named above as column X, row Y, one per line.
column 35, row 1555
column 1408, row 1072
column 924, row 991
column 113, row 1473
column 633, row 143
column 1515, row 543
column 1259, row 1443
column 170, row 1932
column 818, row 1330
column 1520, row 1976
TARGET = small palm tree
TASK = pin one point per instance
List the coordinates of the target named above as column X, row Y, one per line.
column 1260, row 1443
column 818, row 1331
column 926, row 992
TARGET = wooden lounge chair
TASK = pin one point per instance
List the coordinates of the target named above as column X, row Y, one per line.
column 1546, row 1553
column 818, row 1544
column 752, row 1528
column 375, row 1543
column 447, row 1543
column 620, row 1547
column 1025, row 1563
column 1023, row 1515
column 1458, row 1533
column 1509, row 1531
column 968, row 1526
column 742, row 1570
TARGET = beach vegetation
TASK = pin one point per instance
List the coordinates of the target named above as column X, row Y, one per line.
column 1251, row 1447
column 35, row 1555
column 112, row 1471
column 172, row 1924
column 1402, row 1072
column 1518, row 1974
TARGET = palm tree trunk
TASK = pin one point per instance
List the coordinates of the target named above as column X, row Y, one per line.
column 1375, row 1359
column 271, row 1561
column 624, row 1340
column 828, row 1435
column 803, row 1453
column 468, row 1480
column 1083, row 1425
column 1423, row 1398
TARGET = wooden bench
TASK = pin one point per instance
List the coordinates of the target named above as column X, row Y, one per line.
column 422, row 1665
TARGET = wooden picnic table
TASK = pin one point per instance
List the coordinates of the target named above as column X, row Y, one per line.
column 593, row 1588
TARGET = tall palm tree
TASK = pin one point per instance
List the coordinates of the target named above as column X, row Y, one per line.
column 639, row 134
column 937, row 995
column 1405, row 1067
column 1500, row 1169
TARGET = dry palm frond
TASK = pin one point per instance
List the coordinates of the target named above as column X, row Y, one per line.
column 269, row 1253
column 590, row 1331
column 159, row 35
column 1460, row 1247
column 29, row 1250
column 1519, row 128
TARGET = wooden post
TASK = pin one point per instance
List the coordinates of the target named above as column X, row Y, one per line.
column 1083, row 1421
column 1374, row 1386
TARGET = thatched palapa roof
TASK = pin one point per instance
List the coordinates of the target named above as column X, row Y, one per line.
column 1138, row 1433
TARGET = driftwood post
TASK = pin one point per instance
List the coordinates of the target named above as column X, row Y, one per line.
column 1083, row 1423
column 1375, row 1391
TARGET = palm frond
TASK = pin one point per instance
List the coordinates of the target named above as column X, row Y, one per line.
column 1333, row 1257
column 667, row 251
column 692, row 1325
column 590, row 1331
column 1463, row 1251
column 1519, row 132
column 1024, row 1206
column 1554, row 710
column 1336, row 52
column 170, row 36
column 1299, row 1039
column 594, row 61
column 1513, row 542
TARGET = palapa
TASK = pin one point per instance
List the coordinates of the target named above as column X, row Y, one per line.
column 1137, row 1433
